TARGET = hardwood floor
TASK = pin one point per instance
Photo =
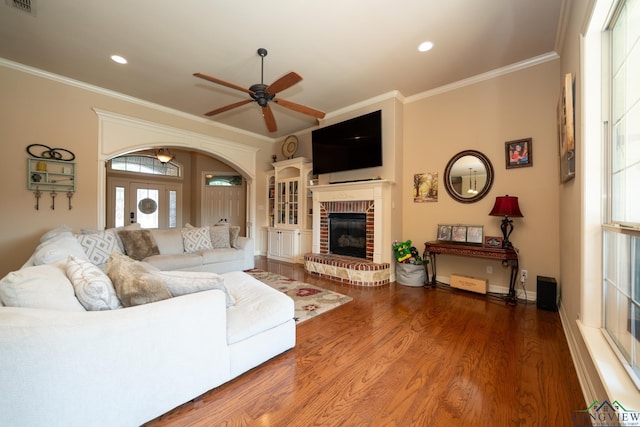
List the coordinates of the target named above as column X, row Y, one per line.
column 403, row 356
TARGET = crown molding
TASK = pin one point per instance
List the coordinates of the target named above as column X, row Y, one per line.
column 122, row 97
column 527, row 63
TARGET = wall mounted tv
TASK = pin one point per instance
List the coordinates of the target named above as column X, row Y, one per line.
column 353, row 144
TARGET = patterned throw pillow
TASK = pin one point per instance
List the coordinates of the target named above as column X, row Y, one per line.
column 98, row 246
column 220, row 236
column 196, row 239
column 93, row 288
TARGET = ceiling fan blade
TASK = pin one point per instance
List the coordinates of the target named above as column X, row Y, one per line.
column 228, row 107
column 284, row 82
column 300, row 108
column 269, row 119
column 222, row 82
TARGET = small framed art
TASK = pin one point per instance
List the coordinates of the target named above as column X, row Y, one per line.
column 494, row 242
column 519, row 153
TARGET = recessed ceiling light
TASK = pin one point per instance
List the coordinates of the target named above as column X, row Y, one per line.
column 119, row 59
column 425, row 46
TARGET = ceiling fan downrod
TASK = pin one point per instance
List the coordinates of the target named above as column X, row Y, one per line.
column 259, row 95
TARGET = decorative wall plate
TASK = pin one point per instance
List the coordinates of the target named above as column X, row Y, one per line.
column 290, row 146
column 147, row 206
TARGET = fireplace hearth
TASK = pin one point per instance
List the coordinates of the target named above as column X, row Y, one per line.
column 348, row 234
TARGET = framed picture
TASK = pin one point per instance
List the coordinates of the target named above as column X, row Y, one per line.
column 459, row 233
column 494, row 242
column 474, row 234
column 444, row 232
column 566, row 132
column 518, row 153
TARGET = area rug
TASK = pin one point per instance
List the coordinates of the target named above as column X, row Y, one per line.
column 309, row 300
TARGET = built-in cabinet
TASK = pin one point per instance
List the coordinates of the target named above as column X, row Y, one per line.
column 289, row 204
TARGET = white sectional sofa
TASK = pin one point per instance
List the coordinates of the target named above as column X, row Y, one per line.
column 61, row 364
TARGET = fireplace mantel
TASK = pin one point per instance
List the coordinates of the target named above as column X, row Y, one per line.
column 378, row 192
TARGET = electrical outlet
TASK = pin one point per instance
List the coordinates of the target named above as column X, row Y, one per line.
column 524, row 275
column 489, row 269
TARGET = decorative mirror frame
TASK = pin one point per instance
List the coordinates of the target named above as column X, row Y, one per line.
column 483, row 191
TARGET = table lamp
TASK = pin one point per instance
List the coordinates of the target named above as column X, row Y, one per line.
column 506, row 206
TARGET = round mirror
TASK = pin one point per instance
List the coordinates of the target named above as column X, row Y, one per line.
column 468, row 176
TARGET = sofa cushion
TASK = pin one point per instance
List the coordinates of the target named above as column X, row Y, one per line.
column 219, row 236
column 138, row 244
column 42, row 286
column 55, row 232
column 131, row 281
column 258, row 307
column 174, row 262
column 98, row 246
column 92, row 286
column 169, row 241
column 196, row 239
column 187, row 282
column 57, row 248
column 221, row 255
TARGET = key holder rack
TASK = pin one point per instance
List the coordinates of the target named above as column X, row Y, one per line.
column 50, row 170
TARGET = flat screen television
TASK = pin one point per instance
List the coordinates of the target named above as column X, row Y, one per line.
column 353, row 144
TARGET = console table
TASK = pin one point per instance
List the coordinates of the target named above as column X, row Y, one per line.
column 508, row 256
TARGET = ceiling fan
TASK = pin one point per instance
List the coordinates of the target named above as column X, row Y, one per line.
column 263, row 94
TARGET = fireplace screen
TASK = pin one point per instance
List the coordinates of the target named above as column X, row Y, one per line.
column 348, row 234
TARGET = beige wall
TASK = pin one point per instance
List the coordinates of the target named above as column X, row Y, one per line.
column 482, row 117
column 34, row 109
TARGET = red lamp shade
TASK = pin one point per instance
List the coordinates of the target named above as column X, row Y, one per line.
column 506, row 206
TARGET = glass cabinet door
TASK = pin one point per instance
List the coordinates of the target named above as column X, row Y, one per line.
column 293, row 203
column 281, row 203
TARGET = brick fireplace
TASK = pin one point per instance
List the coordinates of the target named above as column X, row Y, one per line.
column 369, row 199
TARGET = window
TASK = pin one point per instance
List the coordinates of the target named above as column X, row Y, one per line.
column 221, row 180
column 621, row 228
column 144, row 164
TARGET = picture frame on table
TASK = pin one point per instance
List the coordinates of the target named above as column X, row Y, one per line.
column 444, row 232
column 494, row 242
column 518, row 153
column 474, row 234
column 459, row 233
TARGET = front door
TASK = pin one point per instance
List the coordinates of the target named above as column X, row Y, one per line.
column 153, row 205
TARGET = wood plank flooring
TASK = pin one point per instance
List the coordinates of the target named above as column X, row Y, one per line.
column 403, row 356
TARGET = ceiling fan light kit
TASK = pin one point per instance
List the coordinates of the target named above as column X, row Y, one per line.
column 262, row 94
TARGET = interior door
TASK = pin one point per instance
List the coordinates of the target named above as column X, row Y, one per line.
column 227, row 203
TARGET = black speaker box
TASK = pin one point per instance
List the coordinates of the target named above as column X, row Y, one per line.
column 547, row 293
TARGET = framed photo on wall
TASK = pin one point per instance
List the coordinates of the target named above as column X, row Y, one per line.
column 518, row 153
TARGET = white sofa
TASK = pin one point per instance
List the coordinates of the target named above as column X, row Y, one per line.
column 62, row 365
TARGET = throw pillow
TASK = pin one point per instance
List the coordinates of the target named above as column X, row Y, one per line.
column 41, row 286
column 220, row 236
column 56, row 231
column 196, row 239
column 57, row 248
column 187, row 282
column 234, row 233
column 132, row 282
column 98, row 246
column 93, row 288
column 138, row 244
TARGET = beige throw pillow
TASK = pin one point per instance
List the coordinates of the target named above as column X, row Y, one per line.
column 220, row 236
column 132, row 281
